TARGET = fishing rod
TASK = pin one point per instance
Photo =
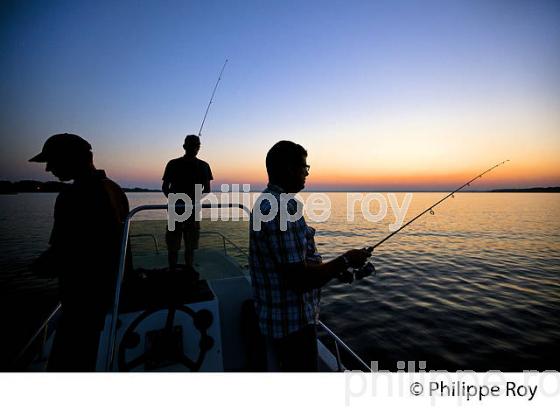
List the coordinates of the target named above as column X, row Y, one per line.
column 368, row 268
column 212, row 98
column 430, row 209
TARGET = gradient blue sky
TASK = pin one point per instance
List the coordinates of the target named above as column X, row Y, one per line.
column 383, row 94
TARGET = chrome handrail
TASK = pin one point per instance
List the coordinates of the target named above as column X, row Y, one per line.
column 149, row 235
column 112, row 336
column 43, row 327
column 224, row 240
column 338, row 341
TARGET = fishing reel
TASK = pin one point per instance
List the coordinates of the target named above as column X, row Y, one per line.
column 348, row 276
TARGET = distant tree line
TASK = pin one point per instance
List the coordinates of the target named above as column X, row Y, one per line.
column 8, row 187
column 536, row 189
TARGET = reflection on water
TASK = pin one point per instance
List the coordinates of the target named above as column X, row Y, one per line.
column 476, row 286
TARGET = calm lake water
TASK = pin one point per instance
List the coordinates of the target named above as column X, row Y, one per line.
column 475, row 286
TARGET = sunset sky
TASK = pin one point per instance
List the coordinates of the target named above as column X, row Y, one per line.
column 383, row 94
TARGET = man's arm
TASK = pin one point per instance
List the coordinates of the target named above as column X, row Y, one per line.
column 165, row 188
column 45, row 266
column 209, row 177
column 167, row 176
column 206, row 187
column 302, row 277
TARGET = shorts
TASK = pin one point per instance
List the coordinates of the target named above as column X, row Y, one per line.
column 190, row 230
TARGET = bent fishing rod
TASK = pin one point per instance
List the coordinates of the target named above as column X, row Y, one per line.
column 212, row 97
column 430, row 209
column 368, row 268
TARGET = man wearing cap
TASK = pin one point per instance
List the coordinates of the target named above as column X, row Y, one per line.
column 182, row 175
column 84, row 249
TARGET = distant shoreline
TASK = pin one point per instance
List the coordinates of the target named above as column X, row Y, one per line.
column 536, row 189
column 31, row 186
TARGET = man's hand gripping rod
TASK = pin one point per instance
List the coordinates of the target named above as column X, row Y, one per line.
column 368, row 268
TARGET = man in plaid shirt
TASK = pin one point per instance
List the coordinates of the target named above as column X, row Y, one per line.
column 287, row 272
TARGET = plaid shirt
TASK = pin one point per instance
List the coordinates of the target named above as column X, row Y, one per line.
column 279, row 309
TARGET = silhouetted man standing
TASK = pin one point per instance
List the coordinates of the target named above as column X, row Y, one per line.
column 287, row 272
column 181, row 176
column 84, row 249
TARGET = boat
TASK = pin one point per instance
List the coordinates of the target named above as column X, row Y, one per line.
column 171, row 322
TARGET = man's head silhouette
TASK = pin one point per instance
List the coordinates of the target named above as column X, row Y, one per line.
column 68, row 156
column 191, row 145
column 286, row 166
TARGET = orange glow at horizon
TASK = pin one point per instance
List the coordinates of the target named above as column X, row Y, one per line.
column 340, row 164
column 508, row 175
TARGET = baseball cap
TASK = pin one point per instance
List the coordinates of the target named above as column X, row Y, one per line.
column 60, row 146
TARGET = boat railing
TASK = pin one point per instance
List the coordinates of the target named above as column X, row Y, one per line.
column 41, row 334
column 148, row 235
column 225, row 242
column 338, row 343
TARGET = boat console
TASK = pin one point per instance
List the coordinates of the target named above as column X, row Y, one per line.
column 168, row 321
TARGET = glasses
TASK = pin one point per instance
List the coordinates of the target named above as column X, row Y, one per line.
column 307, row 167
